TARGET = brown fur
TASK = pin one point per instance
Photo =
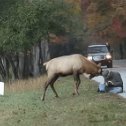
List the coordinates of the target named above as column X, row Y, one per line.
column 75, row 65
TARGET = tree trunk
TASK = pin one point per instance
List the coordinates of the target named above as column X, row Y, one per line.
column 2, row 69
column 27, row 62
column 21, row 65
column 44, row 53
column 35, row 54
column 14, row 63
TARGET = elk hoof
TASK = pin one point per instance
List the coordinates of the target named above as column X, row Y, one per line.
column 74, row 94
column 57, row 96
column 42, row 99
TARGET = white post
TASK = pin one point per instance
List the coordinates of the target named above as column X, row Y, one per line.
column 1, row 88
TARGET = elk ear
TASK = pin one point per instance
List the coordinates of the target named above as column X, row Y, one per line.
column 100, row 71
column 99, row 65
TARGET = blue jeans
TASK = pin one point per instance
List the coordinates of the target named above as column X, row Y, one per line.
column 115, row 90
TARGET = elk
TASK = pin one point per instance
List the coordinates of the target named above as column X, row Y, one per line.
column 75, row 65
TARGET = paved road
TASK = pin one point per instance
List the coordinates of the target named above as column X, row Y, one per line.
column 120, row 66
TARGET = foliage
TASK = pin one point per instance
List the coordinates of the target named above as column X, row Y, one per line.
column 27, row 22
column 105, row 22
column 103, row 6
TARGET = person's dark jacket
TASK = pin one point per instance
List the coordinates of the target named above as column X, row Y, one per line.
column 113, row 78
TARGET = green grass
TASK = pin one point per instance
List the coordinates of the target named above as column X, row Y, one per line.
column 24, row 107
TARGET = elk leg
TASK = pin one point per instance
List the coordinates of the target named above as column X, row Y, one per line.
column 48, row 82
column 51, row 83
column 45, row 88
column 52, row 86
column 77, row 83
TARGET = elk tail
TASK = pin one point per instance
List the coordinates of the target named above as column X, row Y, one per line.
column 46, row 65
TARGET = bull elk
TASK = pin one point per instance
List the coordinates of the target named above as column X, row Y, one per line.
column 75, row 65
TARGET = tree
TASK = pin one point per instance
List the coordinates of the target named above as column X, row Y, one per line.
column 26, row 23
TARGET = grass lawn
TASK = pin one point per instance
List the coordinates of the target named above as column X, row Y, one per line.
column 21, row 105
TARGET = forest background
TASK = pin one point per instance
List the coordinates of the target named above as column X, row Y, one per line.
column 34, row 31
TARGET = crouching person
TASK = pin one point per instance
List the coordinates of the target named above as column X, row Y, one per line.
column 113, row 82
